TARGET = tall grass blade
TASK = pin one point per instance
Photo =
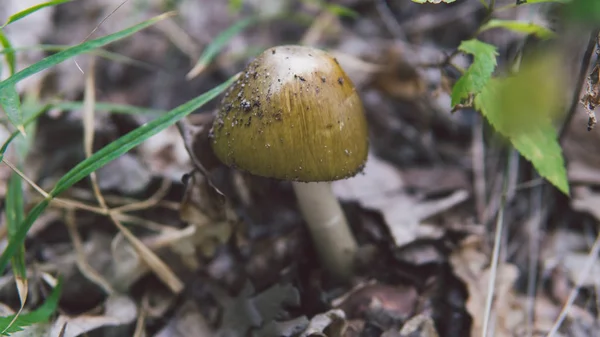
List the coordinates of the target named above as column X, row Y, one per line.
column 9, row 55
column 76, row 50
column 11, row 324
column 104, row 156
column 19, row 15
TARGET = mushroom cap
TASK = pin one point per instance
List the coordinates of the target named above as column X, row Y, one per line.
column 293, row 114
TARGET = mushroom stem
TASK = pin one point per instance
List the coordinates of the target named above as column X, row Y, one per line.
column 328, row 227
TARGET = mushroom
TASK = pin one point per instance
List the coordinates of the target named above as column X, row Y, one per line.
column 295, row 115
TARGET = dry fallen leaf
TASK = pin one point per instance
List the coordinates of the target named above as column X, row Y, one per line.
column 118, row 310
column 187, row 321
column 471, row 265
column 419, row 326
column 331, row 320
column 380, row 187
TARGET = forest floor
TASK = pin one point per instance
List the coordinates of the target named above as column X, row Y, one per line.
column 171, row 259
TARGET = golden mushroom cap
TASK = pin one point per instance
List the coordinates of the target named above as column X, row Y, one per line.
column 292, row 115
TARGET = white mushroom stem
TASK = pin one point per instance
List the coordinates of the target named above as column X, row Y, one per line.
column 329, row 229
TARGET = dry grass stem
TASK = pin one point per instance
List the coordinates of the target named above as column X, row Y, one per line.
column 82, row 264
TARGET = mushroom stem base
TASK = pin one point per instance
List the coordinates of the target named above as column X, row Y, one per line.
column 328, row 227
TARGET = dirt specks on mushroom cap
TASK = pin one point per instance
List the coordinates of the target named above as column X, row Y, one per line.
column 295, row 115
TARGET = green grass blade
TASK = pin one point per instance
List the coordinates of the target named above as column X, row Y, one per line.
column 15, row 212
column 11, row 103
column 216, row 45
column 27, row 122
column 116, row 57
column 42, row 314
column 109, row 107
column 18, row 16
column 76, row 50
column 10, row 55
column 104, row 156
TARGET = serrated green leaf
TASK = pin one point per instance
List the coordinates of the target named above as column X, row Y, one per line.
column 480, row 71
column 519, row 27
column 11, row 104
column 522, row 108
column 76, row 50
column 10, row 56
column 542, row 149
column 18, row 16
column 39, row 315
column 105, row 155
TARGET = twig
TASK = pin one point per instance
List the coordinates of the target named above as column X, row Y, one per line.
column 534, row 229
column 585, row 63
column 496, row 252
column 97, row 27
column 583, row 275
column 84, row 267
column 478, row 158
column 312, row 36
column 389, row 20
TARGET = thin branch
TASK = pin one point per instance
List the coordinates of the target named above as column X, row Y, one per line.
column 496, row 252
column 583, row 275
column 585, row 63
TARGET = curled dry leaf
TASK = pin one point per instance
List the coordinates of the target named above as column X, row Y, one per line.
column 248, row 312
column 333, row 321
column 125, row 174
column 187, row 321
column 472, row 266
column 382, row 303
column 419, row 326
column 210, row 217
column 289, row 328
column 118, row 310
column 165, row 154
column 127, row 266
column 382, row 188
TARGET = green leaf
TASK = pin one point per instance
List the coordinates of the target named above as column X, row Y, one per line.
column 18, row 16
column 522, row 108
column 542, row 149
column 235, row 5
column 528, row 2
column 40, row 315
column 76, row 50
column 519, row 27
column 340, row 10
column 217, row 44
column 586, row 11
column 30, row 120
column 10, row 56
column 11, row 104
column 108, row 153
column 480, row 71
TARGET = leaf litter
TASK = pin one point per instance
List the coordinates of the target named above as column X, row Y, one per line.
column 237, row 242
